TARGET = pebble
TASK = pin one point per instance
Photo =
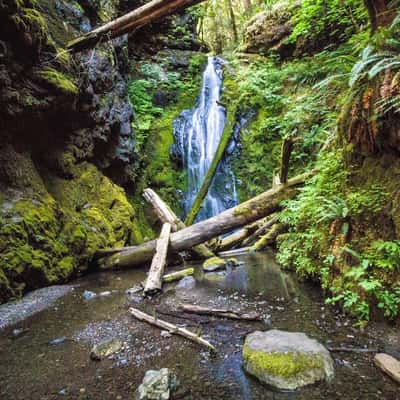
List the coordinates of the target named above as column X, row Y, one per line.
column 63, row 392
column 57, row 341
column 165, row 334
column 104, row 294
column 88, row 295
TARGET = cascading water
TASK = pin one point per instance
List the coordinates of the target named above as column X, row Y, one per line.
column 197, row 134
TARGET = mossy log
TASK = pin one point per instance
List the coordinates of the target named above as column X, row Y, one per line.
column 260, row 232
column 155, row 276
column 176, row 276
column 239, row 236
column 269, row 238
column 141, row 316
column 252, row 210
column 166, row 215
column 131, row 21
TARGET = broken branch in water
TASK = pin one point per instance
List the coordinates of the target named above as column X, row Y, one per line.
column 141, row 316
column 219, row 312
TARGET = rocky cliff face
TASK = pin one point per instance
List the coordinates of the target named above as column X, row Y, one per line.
column 66, row 141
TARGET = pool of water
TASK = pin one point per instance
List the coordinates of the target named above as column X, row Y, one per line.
column 32, row 366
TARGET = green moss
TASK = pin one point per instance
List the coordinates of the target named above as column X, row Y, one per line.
column 214, row 261
column 286, row 365
column 58, row 80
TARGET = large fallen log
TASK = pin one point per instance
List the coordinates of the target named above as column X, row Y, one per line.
column 155, row 276
column 166, row 215
column 261, row 206
column 220, row 312
column 141, row 316
column 135, row 19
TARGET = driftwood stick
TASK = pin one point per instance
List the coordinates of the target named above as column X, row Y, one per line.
column 141, row 316
column 219, row 312
column 350, row 350
column 175, row 276
column 245, row 213
column 155, row 276
column 165, row 214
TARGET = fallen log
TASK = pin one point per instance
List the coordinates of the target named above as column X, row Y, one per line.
column 235, row 252
column 260, row 232
column 389, row 365
column 135, row 19
column 219, row 312
column 155, row 276
column 237, row 237
column 350, row 350
column 252, row 210
column 141, row 316
column 166, row 215
column 176, row 276
column 269, row 238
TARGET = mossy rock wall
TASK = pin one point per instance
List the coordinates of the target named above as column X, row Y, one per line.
column 50, row 230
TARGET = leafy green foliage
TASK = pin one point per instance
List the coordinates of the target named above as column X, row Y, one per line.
column 328, row 21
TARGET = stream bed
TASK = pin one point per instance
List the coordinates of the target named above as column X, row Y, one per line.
column 46, row 356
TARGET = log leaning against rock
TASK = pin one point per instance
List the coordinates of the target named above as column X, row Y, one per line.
column 245, row 213
column 155, row 276
column 141, row 316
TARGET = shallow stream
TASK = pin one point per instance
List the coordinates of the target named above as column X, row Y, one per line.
column 33, row 365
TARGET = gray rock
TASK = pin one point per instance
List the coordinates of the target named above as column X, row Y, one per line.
column 88, row 295
column 56, row 341
column 157, row 385
column 105, row 294
column 105, row 349
column 186, row 283
column 286, row 360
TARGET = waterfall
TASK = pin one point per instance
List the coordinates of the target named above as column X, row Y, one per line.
column 197, row 134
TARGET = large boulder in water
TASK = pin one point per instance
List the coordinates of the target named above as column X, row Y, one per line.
column 286, row 360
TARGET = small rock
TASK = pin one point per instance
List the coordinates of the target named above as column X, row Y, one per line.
column 105, row 349
column 134, row 290
column 105, row 294
column 286, row 360
column 57, row 341
column 63, row 392
column 18, row 332
column 165, row 334
column 187, row 283
column 88, row 295
column 157, row 385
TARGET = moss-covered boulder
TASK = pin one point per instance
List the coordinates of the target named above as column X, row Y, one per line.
column 286, row 360
column 214, row 264
column 269, row 30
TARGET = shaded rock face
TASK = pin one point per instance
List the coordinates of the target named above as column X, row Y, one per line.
column 269, row 30
column 286, row 360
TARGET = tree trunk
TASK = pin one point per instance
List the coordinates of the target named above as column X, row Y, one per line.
column 135, row 19
column 154, row 278
column 245, row 213
column 287, row 147
column 141, row 316
column 166, row 215
column 380, row 13
column 233, row 22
